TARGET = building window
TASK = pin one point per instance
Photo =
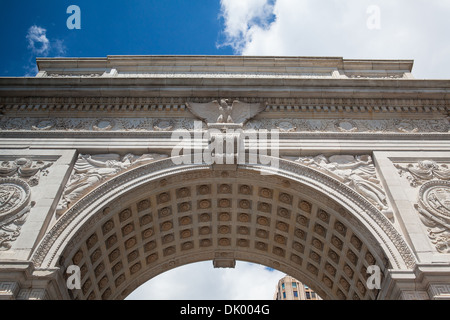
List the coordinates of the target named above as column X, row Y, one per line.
column 308, row 295
column 313, row 295
column 284, row 295
column 294, row 284
column 282, row 285
column 295, row 294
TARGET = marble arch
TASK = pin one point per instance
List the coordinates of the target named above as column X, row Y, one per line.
column 360, row 176
column 159, row 216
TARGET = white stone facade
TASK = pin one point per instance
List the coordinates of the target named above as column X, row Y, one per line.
column 359, row 175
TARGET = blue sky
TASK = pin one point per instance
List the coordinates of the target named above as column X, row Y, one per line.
column 353, row 29
column 113, row 27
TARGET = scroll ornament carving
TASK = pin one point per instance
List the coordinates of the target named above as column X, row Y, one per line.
column 433, row 202
column 91, row 170
column 16, row 179
column 357, row 172
column 25, row 169
column 418, row 173
column 14, row 208
column 434, row 208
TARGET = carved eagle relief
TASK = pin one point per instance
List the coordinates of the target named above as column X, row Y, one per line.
column 221, row 112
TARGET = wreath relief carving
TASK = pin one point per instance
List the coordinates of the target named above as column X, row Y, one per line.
column 433, row 203
column 16, row 179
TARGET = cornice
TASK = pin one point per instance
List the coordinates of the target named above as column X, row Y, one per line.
column 116, row 104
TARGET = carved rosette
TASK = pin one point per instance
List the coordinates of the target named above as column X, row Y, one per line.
column 14, row 208
column 434, row 208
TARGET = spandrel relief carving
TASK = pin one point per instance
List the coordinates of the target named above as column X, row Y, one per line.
column 17, row 177
column 433, row 201
column 357, row 172
column 434, row 209
column 14, row 208
column 91, row 170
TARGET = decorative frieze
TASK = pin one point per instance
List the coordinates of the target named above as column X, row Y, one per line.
column 33, row 294
column 352, row 125
column 284, row 125
column 414, row 295
column 9, row 290
column 42, row 125
column 439, row 291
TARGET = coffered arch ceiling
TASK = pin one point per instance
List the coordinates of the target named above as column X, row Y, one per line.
column 160, row 216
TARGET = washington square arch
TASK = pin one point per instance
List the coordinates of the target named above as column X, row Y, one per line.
column 125, row 167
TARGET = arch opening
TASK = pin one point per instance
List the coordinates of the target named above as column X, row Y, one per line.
column 201, row 281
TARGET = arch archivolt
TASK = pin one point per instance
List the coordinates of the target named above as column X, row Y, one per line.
column 159, row 216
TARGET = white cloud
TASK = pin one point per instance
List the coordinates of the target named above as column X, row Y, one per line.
column 38, row 41
column 200, row 281
column 40, row 45
column 408, row 30
column 243, row 18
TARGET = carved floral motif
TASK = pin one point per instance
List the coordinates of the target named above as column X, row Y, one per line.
column 168, row 124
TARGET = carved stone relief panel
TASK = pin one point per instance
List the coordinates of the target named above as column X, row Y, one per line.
column 115, row 124
column 352, row 125
column 433, row 200
column 357, row 172
column 14, row 209
column 91, row 170
column 17, row 177
column 118, row 124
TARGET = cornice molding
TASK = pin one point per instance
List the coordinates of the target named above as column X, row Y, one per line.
column 36, row 104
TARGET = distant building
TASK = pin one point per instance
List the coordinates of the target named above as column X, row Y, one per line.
column 289, row 288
